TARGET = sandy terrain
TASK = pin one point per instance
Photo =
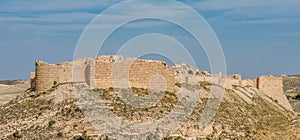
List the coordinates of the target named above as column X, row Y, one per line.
column 8, row 92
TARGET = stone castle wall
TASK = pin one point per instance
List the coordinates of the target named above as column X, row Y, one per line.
column 273, row 87
column 233, row 80
column 130, row 72
column 106, row 72
column 32, row 80
column 47, row 75
column 250, row 82
column 119, row 72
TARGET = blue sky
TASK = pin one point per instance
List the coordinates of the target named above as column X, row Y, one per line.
column 257, row 37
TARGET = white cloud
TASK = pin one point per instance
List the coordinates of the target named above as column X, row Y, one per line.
column 268, row 21
column 49, row 18
column 252, row 9
column 54, row 5
column 44, row 15
column 148, row 23
column 234, row 4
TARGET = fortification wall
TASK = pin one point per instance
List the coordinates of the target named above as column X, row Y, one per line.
column 250, row 82
column 273, row 87
column 47, row 75
column 32, row 80
column 193, row 79
column 103, row 74
column 205, row 79
column 152, row 74
column 112, row 71
column 232, row 80
column 90, row 73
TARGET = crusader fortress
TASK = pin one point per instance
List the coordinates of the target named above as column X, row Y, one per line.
column 119, row 72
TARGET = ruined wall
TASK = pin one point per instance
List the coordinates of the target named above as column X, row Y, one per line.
column 250, row 82
column 205, row 79
column 117, row 72
column 114, row 71
column 48, row 74
column 103, row 74
column 232, row 80
column 273, row 87
column 191, row 79
column 188, row 74
column 32, row 80
column 154, row 74
column 90, row 73
column 79, row 70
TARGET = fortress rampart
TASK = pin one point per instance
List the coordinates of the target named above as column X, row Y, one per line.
column 273, row 87
column 47, row 75
column 119, row 72
column 106, row 72
column 114, row 71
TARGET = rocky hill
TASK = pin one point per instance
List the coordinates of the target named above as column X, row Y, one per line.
column 291, row 84
column 244, row 113
column 291, row 87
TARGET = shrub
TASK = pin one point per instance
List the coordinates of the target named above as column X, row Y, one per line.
column 96, row 90
column 60, row 134
column 174, row 138
column 55, row 83
column 178, row 85
column 17, row 134
column 51, row 123
column 134, row 89
column 205, row 83
column 235, row 86
column 111, row 89
column 83, row 136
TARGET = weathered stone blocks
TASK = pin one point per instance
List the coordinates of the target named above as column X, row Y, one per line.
column 119, row 72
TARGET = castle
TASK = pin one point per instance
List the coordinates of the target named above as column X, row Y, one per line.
column 119, row 72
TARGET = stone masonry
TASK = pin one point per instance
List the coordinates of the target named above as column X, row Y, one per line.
column 106, row 72
column 119, row 72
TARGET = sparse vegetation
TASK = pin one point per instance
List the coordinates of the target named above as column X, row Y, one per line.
column 235, row 118
column 235, row 86
column 111, row 89
column 291, row 87
column 178, row 85
column 55, row 83
column 17, row 134
column 51, row 123
column 174, row 138
column 126, row 111
column 83, row 136
column 205, row 85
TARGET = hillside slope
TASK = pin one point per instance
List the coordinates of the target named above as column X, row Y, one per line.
column 243, row 113
column 291, row 87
